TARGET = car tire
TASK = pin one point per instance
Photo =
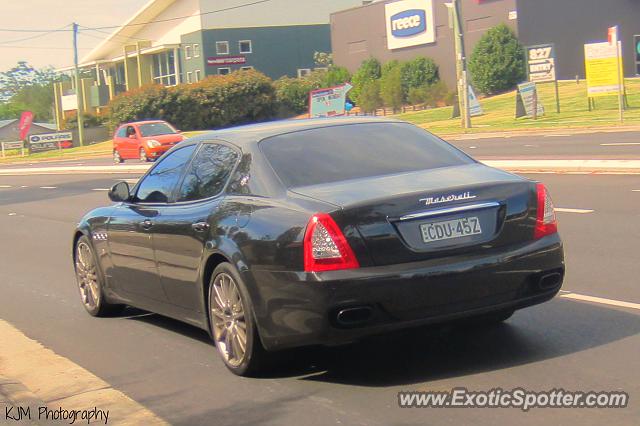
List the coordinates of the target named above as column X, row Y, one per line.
column 90, row 281
column 226, row 314
column 117, row 158
column 143, row 155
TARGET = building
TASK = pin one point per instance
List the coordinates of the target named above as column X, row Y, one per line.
column 10, row 129
column 362, row 32
column 182, row 41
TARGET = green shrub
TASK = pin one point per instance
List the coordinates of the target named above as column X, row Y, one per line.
column 369, row 97
column 497, row 62
column 418, row 72
column 391, row 90
column 369, row 70
column 217, row 101
column 292, row 94
column 336, row 76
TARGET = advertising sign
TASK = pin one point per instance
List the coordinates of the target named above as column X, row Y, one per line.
column 69, row 102
column 475, row 109
column 528, row 96
column 328, row 102
column 49, row 141
column 636, row 44
column 25, row 124
column 602, row 63
column 541, row 63
column 226, row 60
column 409, row 23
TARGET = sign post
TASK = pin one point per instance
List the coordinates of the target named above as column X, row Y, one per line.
column 541, row 67
column 613, row 41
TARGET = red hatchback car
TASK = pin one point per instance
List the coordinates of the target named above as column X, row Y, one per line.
column 144, row 140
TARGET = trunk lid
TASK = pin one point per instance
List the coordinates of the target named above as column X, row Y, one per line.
column 434, row 213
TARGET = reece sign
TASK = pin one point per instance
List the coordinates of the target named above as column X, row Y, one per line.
column 409, row 23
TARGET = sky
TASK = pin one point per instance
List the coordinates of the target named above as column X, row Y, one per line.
column 56, row 49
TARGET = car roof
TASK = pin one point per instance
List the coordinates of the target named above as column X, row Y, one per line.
column 253, row 133
column 142, row 122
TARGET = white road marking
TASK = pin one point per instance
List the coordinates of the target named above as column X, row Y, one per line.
column 530, row 146
column 48, row 187
column 473, row 147
column 581, row 211
column 556, row 136
column 5, row 186
column 24, row 186
column 620, row 144
column 12, row 214
column 601, row 300
column 100, row 189
column 635, row 190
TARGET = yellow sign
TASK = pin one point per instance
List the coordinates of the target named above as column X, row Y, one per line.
column 603, row 63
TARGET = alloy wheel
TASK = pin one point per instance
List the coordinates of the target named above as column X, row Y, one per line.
column 87, row 275
column 228, row 319
column 143, row 155
column 116, row 157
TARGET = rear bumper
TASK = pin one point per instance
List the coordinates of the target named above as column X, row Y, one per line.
column 298, row 309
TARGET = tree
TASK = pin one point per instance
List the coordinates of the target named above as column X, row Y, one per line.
column 391, row 86
column 336, row 76
column 20, row 76
column 369, row 70
column 418, row 72
column 37, row 98
column 497, row 62
column 369, row 97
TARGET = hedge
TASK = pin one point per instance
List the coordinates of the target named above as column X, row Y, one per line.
column 217, row 101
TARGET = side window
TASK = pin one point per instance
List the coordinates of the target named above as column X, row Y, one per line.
column 122, row 132
column 131, row 131
column 158, row 185
column 209, row 172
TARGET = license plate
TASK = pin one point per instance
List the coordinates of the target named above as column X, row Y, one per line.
column 448, row 229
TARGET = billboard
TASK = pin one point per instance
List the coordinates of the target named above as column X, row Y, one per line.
column 409, row 23
column 602, row 63
column 328, row 102
column 49, row 141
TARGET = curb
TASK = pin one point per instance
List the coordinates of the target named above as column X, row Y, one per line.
column 539, row 132
column 15, row 396
column 568, row 166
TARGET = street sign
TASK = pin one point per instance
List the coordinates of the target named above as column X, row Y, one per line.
column 603, row 64
column 541, row 63
column 48, row 141
column 528, row 101
column 328, row 102
column 475, row 109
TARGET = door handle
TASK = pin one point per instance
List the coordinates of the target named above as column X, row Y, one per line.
column 200, row 226
column 146, row 224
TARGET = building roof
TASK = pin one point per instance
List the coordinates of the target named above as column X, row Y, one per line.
column 128, row 29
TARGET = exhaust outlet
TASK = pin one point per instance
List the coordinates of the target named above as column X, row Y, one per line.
column 549, row 281
column 354, row 316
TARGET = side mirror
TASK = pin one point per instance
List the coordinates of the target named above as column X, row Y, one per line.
column 119, row 192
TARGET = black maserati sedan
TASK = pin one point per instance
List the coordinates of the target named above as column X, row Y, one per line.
column 318, row 232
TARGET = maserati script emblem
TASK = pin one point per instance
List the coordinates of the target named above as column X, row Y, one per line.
column 447, row 198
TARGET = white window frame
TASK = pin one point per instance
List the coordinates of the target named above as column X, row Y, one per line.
column 218, row 50
column 188, row 51
column 224, row 68
column 189, row 77
column 250, row 47
column 196, row 50
column 196, row 75
column 303, row 72
column 246, row 68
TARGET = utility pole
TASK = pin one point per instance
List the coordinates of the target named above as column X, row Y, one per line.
column 461, row 62
column 80, row 109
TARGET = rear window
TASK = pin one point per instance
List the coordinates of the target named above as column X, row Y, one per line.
column 338, row 153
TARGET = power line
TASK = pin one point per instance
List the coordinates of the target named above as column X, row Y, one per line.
column 110, row 35
column 32, row 37
column 41, row 47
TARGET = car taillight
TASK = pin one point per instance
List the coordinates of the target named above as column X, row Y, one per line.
column 546, row 223
column 325, row 247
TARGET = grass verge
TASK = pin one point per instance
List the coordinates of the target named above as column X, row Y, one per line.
column 499, row 111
